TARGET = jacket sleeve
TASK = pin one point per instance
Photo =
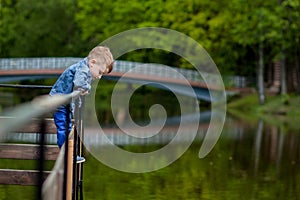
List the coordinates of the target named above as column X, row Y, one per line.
column 82, row 80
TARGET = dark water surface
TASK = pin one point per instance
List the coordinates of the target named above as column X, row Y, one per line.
column 249, row 161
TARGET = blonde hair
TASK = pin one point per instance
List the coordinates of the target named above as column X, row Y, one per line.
column 102, row 55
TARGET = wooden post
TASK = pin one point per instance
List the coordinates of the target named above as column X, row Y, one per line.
column 70, row 169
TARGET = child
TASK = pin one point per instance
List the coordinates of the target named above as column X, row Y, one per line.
column 79, row 77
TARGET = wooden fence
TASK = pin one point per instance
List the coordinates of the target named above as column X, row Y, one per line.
column 28, row 118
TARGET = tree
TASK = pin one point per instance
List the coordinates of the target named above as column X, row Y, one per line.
column 241, row 36
column 38, row 28
column 290, row 42
column 257, row 26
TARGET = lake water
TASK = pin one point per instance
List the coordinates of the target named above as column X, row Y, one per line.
column 251, row 160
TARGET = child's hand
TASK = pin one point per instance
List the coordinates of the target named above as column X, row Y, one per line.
column 83, row 92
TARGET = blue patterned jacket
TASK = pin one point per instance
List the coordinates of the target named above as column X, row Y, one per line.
column 77, row 76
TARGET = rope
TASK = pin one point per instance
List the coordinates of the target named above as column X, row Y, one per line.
column 26, row 86
column 41, row 105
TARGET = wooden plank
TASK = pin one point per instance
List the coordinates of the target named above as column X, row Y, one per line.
column 34, row 126
column 20, row 177
column 27, row 151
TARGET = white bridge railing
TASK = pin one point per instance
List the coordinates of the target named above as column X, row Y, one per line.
column 119, row 66
column 151, row 69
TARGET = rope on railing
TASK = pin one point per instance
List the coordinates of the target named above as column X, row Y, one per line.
column 39, row 106
column 26, row 86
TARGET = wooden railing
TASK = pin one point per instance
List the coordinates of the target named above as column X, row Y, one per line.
column 62, row 181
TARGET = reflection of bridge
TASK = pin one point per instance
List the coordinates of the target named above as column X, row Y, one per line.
column 13, row 69
column 94, row 135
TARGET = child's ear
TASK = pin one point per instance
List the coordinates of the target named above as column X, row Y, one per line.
column 92, row 61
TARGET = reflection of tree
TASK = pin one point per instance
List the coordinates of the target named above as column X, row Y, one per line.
column 258, row 140
column 276, row 151
column 280, row 149
column 273, row 143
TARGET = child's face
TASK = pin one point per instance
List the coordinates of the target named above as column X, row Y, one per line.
column 97, row 70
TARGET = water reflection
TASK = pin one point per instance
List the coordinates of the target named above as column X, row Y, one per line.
column 250, row 161
column 258, row 138
column 170, row 129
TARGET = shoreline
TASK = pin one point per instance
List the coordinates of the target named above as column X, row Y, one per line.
column 277, row 110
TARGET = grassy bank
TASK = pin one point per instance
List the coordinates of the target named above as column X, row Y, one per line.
column 277, row 110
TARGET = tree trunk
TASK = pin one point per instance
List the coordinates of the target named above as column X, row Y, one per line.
column 260, row 75
column 283, row 74
column 282, row 64
column 297, row 69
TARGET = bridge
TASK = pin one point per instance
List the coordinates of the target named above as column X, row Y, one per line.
column 156, row 75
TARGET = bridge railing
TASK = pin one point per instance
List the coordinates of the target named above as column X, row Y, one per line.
column 22, row 115
column 36, row 63
column 119, row 66
column 155, row 69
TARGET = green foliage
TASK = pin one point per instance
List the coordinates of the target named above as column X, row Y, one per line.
column 230, row 31
column 38, row 28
